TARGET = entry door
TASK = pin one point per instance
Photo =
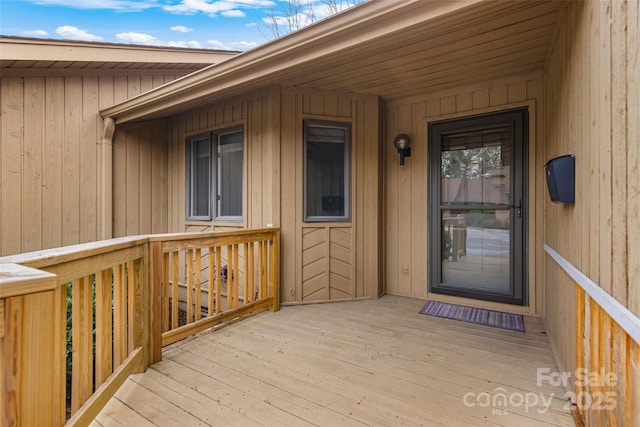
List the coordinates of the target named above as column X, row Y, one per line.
column 477, row 208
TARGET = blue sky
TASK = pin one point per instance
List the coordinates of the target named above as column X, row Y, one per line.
column 210, row 24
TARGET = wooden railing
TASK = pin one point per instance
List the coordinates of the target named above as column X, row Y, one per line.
column 607, row 376
column 75, row 322
column 219, row 277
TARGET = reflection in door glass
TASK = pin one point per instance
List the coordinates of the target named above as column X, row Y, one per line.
column 475, row 167
column 475, row 250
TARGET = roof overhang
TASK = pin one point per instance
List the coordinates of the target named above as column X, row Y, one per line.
column 390, row 49
column 31, row 56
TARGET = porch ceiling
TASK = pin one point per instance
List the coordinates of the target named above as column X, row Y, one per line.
column 477, row 43
column 392, row 50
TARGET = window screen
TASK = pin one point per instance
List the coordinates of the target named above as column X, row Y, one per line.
column 327, row 158
column 230, row 160
column 199, row 180
column 216, row 178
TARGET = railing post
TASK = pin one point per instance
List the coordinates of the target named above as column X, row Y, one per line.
column 155, row 307
column 32, row 349
column 274, row 271
column 141, row 322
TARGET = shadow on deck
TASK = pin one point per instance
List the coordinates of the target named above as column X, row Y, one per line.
column 375, row 362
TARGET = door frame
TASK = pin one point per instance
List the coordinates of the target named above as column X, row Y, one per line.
column 519, row 262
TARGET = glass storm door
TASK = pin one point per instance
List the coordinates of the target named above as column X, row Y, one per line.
column 477, row 206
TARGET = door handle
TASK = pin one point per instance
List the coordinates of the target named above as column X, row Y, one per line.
column 518, row 208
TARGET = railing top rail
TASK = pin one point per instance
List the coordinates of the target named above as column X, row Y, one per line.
column 624, row 317
column 48, row 257
column 209, row 234
column 16, row 279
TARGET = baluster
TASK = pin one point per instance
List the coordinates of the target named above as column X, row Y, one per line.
column 104, row 326
column 236, row 275
column 189, row 286
column 82, row 341
column 174, row 291
column 211, row 271
column 245, row 295
column 198, row 306
column 218, row 278
column 120, row 315
column 165, row 292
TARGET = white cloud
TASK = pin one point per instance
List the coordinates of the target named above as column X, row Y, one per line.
column 119, row 5
column 242, row 45
column 215, row 44
column 138, row 38
column 239, row 45
column 34, row 33
column 213, row 7
column 234, row 13
column 73, row 33
column 181, row 29
column 192, row 44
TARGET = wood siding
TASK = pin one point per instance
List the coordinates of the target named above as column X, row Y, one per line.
column 324, row 261
column 51, row 158
column 272, row 119
column 327, row 263
column 592, row 93
column 140, row 179
column 258, row 115
column 406, row 210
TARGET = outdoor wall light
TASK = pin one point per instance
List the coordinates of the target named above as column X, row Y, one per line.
column 403, row 145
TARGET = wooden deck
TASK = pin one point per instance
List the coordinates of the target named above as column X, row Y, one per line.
column 376, row 363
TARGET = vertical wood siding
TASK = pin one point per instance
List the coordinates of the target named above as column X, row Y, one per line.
column 332, row 260
column 50, row 167
column 406, row 192
column 140, row 196
column 272, row 121
column 258, row 115
column 592, row 92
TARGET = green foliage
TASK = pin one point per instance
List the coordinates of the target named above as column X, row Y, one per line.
column 471, row 162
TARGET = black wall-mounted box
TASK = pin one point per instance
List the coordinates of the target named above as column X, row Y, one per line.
column 560, row 173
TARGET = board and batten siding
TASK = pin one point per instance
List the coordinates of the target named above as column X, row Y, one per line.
column 258, row 114
column 272, row 121
column 592, row 110
column 326, row 261
column 140, row 179
column 406, row 187
column 50, row 150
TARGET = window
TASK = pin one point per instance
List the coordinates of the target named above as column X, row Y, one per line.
column 327, row 147
column 215, row 162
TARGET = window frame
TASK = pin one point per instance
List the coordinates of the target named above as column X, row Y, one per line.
column 216, row 174
column 213, row 172
column 347, row 171
column 191, row 140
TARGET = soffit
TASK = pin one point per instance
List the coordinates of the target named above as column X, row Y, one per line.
column 391, row 51
column 38, row 55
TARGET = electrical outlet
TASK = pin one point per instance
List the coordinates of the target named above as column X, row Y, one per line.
column 405, row 270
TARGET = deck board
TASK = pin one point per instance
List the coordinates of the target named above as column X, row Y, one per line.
column 375, row 362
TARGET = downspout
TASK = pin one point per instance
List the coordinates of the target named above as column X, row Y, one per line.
column 106, row 179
